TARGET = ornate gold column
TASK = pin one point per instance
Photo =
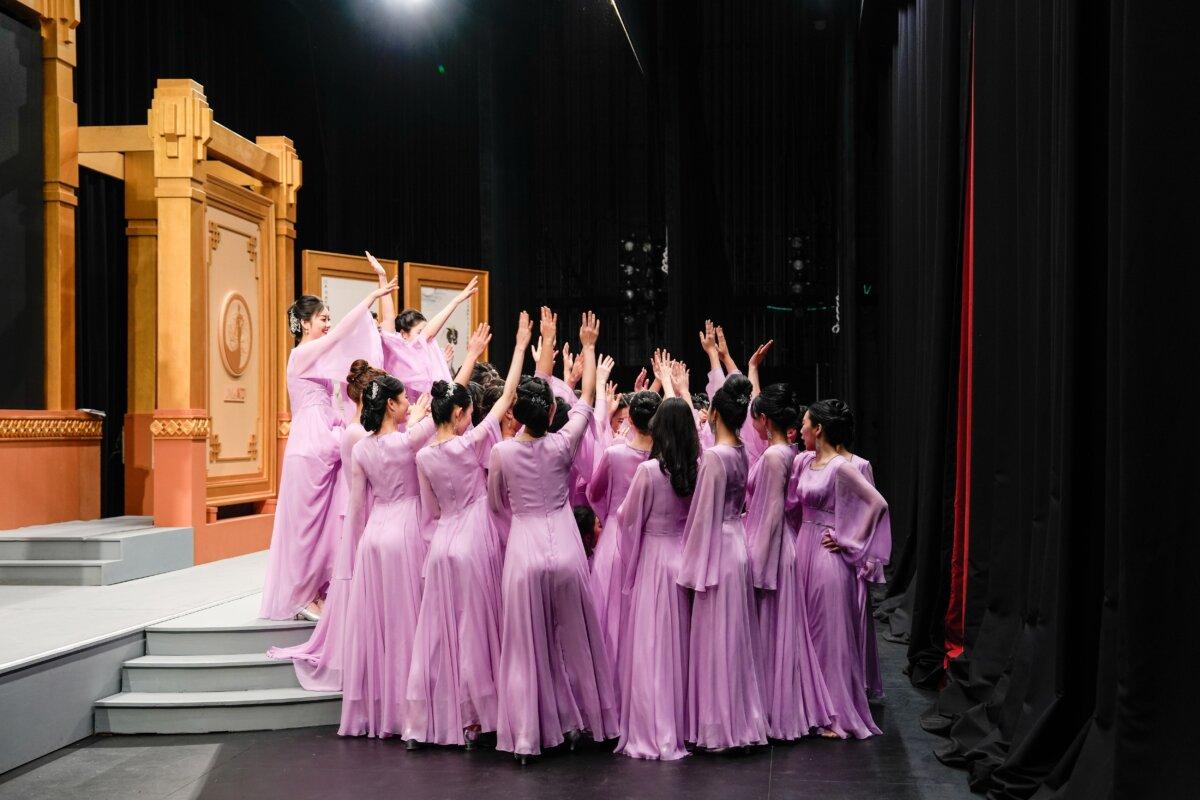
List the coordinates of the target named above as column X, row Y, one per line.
column 283, row 194
column 180, row 126
column 141, row 232
column 61, row 180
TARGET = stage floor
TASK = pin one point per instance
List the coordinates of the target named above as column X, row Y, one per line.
column 38, row 623
column 316, row 763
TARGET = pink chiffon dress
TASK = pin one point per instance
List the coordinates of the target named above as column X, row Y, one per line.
column 416, row 361
column 866, row 623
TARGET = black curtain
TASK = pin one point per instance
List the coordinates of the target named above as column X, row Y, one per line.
column 914, row 67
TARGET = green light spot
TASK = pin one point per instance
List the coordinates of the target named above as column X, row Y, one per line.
column 441, row 69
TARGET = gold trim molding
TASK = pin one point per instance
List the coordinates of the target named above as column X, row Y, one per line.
column 181, row 428
column 50, row 428
column 285, row 427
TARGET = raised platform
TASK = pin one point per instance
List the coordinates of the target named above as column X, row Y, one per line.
column 207, row 672
column 92, row 553
column 62, row 648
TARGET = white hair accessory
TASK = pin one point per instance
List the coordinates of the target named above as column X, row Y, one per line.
column 294, row 322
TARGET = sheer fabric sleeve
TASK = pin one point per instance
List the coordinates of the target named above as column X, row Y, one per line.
column 421, row 433
column 483, row 438
column 716, row 379
column 765, row 512
column 578, row 421
column 597, row 488
column 794, row 508
column 357, row 505
column 430, row 510
column 753, row 442
column 704, row 433
column 559, row 388
column 353, row 338
column 701, row 563
column 497, row 489
column 862, row 525
column 632, row 515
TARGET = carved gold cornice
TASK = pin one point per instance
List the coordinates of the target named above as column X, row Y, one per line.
column 43, row 428
column 181, row 428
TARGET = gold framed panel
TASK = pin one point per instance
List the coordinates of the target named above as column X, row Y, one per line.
column 335, row 278
column 241, row 344
column 428, row 287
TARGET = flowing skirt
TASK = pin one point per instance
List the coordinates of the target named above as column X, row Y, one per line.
column 725, row 705
column 833, row 622
column 307, row 520
column 456, row 656
column 555, row 674
column 605, row 582
column 794, row 691
column 653, row 660
column 381, row 620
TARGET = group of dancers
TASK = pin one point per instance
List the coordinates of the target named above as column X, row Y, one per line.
column 438, row 528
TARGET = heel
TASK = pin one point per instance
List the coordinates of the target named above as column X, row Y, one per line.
column 572, row 740
column 411, row 744
column 471, row 738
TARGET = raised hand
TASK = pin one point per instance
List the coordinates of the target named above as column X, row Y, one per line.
column 681, row 379
column 524, row 331
column 385, row 289
column 708, row 338
column 479, row 341
column 548, row 327
column 375, row 265
column 604, row 367
column 469, row 290
column 641, row 381
column 589, row 330
column 417, row 410
column 722, row 345
column 575, row 371
column 760, row 354
column 448, row 353
column 610, row 394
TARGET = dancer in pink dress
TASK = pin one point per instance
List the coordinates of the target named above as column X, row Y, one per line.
column 844, row 533
column 410, row 348
column 725, row 704
column 318, row 661
column 555, row 674
column 605, row 493
column 452, row 682
column 652, row 662
column 794, row 692
column 385, row 592
column 307, row 522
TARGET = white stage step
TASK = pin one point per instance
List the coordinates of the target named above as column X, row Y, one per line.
column 208, row 712
column 92, row 553
column 208, row 672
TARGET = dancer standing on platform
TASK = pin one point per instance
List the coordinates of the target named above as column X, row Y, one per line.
column 318, row 661
column 725, row 706
column 606, row 490
column 652, row 660
column 451, row 690
column 410, row 347
column 385, row 591
column 555, row 674
column 844, row 533
column 307, row 522
column 794, row 692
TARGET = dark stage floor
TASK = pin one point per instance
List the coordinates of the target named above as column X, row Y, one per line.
column 316, row 763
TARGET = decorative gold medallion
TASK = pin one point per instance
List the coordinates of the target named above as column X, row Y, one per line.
column 236, row 334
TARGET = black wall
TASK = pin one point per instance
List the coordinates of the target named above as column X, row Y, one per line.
column 21, row 216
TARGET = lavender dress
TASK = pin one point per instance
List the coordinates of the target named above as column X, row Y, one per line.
column 318, row 661
column 606, row 491
column 452, row 682
column 652, row 664
column 836, row 499
column 555, row 674
column 585, row 457
column 794, row 691
column 307, row 520
column 418, row 362
column 725, row 705
column 866, row 623
column 385, row 592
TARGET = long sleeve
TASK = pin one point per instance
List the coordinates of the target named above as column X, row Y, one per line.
column 704, row 433
column 578, row 422
column 753, row 441
column 632, row 514
column 559, row 388
column 862, row 525
column 430, row 510
column 716, row 379
column 701, row 563
column 483, row 438
column 330, row 357
column 497, row 490
column 357, row 507
column 765, row 517
column 421, row 433
column 794, row 507
column 602, row 429
column 597, row 488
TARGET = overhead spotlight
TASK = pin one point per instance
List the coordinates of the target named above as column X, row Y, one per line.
column 630, row 294
column 627, row 269
column 629, row 245
column 795, row 243
column 796, row 288
column 646, row 247
column 797, row 265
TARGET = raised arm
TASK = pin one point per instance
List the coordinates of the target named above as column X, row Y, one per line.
column 307, row 355
column 723, row 351
column 708, row 342
column 661, row 363
column 475, row 347
column 433, row 326
column 759, row 356
column 524, row 334
column 681, row 382
column 387, row 307
column 547, row 346
column 589, row 332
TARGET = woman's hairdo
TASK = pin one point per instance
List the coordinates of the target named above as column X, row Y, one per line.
column 732, row 400
column 359, row 377
column 532, row 406
column 836, row 421
column 445, row 397
column 780, row 404
column 407, row 319
column 642, row 406
column 303, row 310
column 375, row 399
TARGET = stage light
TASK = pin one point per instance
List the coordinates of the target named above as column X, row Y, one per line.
column 630, row 294
column 797, row 265
column 627, row 269
column 441, row 69
column 628, row 245
column 795, row 243
column 646, row 247
column 796, row 288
